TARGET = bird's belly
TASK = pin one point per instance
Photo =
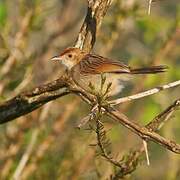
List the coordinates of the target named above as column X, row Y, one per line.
column 93, row 83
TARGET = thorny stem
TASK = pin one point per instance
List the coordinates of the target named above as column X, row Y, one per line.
column 102, row 140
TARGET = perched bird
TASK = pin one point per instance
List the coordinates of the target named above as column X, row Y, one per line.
column 87, row 69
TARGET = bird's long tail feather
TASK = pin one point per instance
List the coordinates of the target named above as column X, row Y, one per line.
column 149, row 70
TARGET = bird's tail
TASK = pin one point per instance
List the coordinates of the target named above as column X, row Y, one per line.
column 149, row 70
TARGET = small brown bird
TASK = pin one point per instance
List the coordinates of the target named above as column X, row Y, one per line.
column 87, row 69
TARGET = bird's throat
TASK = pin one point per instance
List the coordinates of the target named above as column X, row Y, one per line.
column 67, row 64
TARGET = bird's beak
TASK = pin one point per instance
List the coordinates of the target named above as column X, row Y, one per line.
column 55, row 58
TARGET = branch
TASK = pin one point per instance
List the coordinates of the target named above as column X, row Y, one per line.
column 161, row 118
column 143, row 132
column 133, row 157
column 95, row 12
column 29, row 101
column 146, row 133
column 145, row 93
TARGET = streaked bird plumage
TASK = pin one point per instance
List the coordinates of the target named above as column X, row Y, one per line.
column 87, row 68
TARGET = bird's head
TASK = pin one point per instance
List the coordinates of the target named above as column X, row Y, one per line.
column 69, row 57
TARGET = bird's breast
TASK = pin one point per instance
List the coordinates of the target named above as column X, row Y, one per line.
column 87, row 81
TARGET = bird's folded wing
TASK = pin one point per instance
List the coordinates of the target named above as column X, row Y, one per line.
column 95, row 64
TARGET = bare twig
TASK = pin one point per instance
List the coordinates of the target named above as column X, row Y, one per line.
column 132, row 162
column 146, row 151
column 26, row 156
column 161, row 118
column 145, row 93
column 149, row 6
column 23, row 84
column 143, row 132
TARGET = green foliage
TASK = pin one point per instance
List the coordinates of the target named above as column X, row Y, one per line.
column 3, row 14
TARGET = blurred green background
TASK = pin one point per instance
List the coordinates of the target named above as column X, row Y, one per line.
column 31, row 32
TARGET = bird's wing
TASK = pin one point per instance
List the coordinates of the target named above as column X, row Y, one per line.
column 95, row 64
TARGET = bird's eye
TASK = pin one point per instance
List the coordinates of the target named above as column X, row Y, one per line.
column 70, row 55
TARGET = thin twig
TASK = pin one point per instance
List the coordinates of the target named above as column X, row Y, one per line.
column 146, row 152
column 161, row 118
column 26, row 155
column 145, row 93
column 28, row 152
column 23, row 84
column 149, row 7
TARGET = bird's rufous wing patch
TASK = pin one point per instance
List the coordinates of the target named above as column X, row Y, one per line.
column 94, row 64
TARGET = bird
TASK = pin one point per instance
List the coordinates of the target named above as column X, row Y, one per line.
column 86, row 70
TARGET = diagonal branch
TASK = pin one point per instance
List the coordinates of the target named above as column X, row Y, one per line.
column 132, row 161
column 146, row 133
column 145, row 93
column 143, row 132
column 161, row 118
